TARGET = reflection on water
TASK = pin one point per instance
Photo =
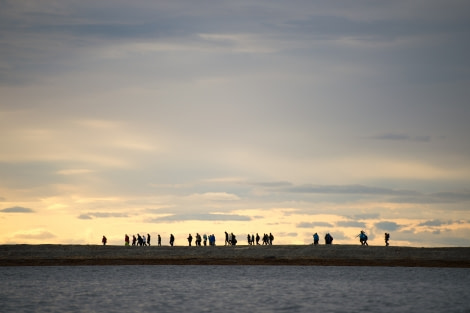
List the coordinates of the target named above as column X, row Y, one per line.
column 233, row 289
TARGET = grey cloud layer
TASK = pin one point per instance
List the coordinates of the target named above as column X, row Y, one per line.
column 304, row 102
column 200, row 217
column 17, row 209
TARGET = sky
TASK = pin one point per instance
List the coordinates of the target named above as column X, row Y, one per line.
column 291, row 117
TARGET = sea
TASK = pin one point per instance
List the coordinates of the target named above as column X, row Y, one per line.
column 207, row 288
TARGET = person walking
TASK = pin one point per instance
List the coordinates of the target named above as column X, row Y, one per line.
column 172, row 240
column 190, row 239
column 387, row 238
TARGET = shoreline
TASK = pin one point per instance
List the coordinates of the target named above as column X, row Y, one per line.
column 300, row 255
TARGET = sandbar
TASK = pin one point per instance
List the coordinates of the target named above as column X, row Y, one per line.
column 304, row 255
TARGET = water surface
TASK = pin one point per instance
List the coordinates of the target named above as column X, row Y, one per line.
column 233, row 289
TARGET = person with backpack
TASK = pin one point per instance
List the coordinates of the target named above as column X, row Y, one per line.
column 316, row 238
column 387, row 238
column 328, row 239
column 363, row 238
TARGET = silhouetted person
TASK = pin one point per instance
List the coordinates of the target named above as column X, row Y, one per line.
column 148, row 239
column 328, row 239
column 387, row 238
column 363, row 238
column 190, row 239
column 172, row 240
column 316, row 238
column 126, row 240
column 104, row 240
column 159, row 239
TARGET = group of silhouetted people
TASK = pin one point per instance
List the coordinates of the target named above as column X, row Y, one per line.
column 141, row 240
column 328, row 239
column 201, row 239
column 362, row 238
column 267, row 239
column 230, row 239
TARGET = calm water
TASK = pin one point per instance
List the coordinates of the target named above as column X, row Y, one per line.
column 233, row 289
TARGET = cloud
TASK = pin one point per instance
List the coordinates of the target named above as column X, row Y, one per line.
column 216, row 196
column 366, row 216
column 434, row 223
column 436, row 197
column 74, row 172
column 313, row 224
column 272, row 184
column 17, row 209
column 402, row 137
column 35, row 234
column 89, row 216
column 348, row 189
column 351, row 224
column 200, row 217
column 389, row 226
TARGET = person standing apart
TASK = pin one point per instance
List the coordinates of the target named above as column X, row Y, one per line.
column 104, row 240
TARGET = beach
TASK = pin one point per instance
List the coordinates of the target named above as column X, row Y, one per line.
column 308, row 255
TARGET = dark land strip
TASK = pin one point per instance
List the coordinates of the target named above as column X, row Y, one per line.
column 304, row 255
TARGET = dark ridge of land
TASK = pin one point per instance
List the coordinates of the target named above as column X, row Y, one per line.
column 305, row 255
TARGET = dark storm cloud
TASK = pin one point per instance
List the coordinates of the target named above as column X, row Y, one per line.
column 17, row 209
